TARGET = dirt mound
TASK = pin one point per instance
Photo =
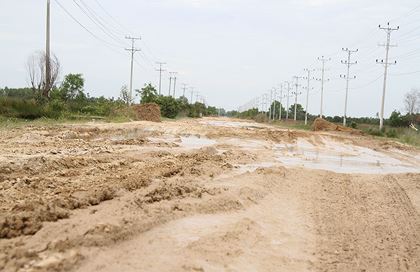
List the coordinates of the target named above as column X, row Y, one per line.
column 323, row 125
column 147, row 112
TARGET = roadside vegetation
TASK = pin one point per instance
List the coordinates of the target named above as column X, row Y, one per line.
column 70, row 101
column 399, row 126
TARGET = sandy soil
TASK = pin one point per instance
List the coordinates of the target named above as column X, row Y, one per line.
column 206, row 195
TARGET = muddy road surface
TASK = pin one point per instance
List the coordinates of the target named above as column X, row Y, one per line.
column 205, row 195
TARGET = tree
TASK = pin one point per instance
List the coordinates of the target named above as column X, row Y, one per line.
column 197, row 110
column 169, row 106
column 300, row 112
column 184, row 106
column 397, row 120
column 125, row 95
column 275, row 106
column 72, row 87
column 36, row 70
column 148, row 94
column 212, row 111
column 412, row 101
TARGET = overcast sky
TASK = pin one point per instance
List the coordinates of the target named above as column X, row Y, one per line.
column 230, row 50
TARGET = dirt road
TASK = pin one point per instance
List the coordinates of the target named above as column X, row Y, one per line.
column 205, row 195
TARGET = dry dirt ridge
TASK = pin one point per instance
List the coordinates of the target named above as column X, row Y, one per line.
column 205, row 195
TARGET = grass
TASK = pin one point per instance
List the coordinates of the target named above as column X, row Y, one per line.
column 402, row 135
column 12, row 122
column 292, row 125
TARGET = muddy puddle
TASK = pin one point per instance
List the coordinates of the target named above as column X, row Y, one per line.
column 232, row 124
column 196, row 142
column 341, row 158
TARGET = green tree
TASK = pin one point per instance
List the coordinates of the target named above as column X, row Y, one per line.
column 275, row 107
column 300, row 112
column 148, row 94
column 197, row 110
column 212, row 111
column 184, row 106
column 169, row 106
column 398, row 120
column 72, row 87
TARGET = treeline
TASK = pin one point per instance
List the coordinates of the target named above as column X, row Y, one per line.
column 66, row 101
column 277, row 109
column 70, row 100
column 395, row 120
column 171, row 107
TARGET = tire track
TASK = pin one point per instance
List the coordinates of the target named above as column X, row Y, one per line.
column 365, row 223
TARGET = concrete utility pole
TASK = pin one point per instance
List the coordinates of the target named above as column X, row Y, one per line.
column 273, row 117
column 192, row 93
column 308, row 78
column 265, row 99
column 170, row 83
column 174, row 74
column 288, row 96
column 348, row 63
column 281, row 101
column 323, row 60
column 270, row 109
column 184, row 88
column 296, row 93
column 388, row 31
column 47, row 52
column 160, row 70
column 132, row 50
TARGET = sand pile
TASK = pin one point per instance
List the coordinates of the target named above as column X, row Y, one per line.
column 323, row 125
column 147, row 112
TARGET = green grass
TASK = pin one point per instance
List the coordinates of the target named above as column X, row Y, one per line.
column 292, row 125
column 12, row 122
column 402, row 135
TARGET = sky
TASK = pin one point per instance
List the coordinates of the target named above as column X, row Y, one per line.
column 230, row 51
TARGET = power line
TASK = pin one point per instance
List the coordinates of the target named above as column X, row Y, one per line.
column 112, row 17
column 98, row 24
column 101, row 21
column 110, row 45
column 403, row 74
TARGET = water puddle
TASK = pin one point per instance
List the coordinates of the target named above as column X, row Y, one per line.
column 246, row 144
column 195, row 142
column 232, row 124
column 341, row 158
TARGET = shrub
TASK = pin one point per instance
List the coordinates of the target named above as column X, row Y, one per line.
column 398, row 120
column 376, row 132
column 168, row 106
column 353, row 125
column 392, row 133
column 261, row 117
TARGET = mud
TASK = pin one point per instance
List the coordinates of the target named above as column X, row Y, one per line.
column 205, row 195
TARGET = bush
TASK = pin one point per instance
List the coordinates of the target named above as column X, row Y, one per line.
column 168, row 106
column 261, row 117
column 54, row 109
column 392, row 133
column 398, row 120
column 353, row 125
column 376, row 132
column 20, row 108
